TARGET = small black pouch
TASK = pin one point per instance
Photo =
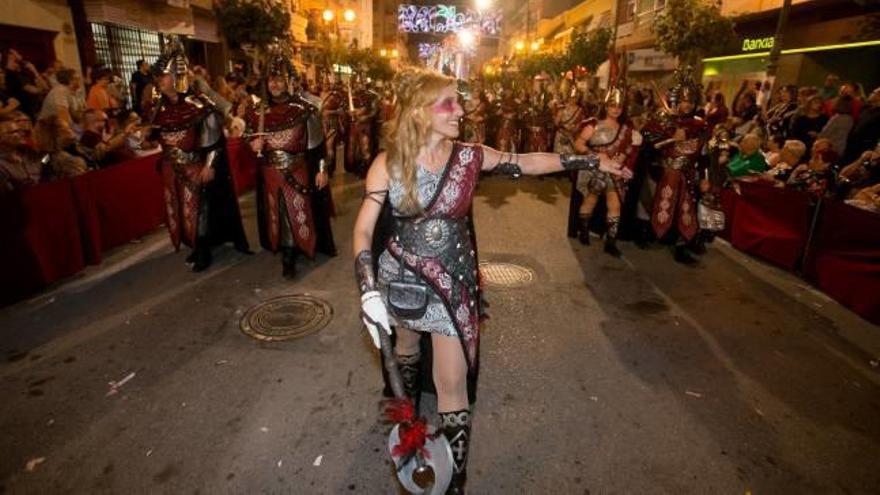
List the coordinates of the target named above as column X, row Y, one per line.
column 407, row 299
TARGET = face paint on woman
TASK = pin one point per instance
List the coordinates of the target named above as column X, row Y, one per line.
column 446, row 105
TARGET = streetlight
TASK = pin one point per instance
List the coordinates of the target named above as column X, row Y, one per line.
column 348, row 15
column 519, row 45
column 394, row 53
column 534, row 46
column 483, row 4
column 328, row 15
column 383, row 52
column 466, row 38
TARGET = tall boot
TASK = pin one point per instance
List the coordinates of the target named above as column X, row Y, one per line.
column 201, row 255
column 410, row 371
column 456, row 427
column 584, row 229
column 611, row 236
column 288, row 262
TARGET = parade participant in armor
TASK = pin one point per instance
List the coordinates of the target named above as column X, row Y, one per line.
column 362, row 142
column 679, row 137
column 428, row 260
column 334, row 105
column 569, row 121
column 200, row 200
column 612, row 134
column 474, row 119
column 287, row 137
column 538, row 118
column 506, row 110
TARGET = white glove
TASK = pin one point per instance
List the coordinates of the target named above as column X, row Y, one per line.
column 375, row 314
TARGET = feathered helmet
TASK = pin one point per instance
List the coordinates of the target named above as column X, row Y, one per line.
column 173, row 62
column 616, row 94
column 685, row 87
column 279, row 65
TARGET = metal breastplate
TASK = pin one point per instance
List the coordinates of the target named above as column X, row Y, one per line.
column 604, row 135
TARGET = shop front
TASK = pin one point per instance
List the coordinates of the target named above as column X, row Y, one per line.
column 821, row 38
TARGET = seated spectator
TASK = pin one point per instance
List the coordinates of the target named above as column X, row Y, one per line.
column 62, row 100
column 815, row 177
column 774, row 147
column 789, row 157
column 23, row 82
column 138, row 142
column 749, row 160
column 838, row 126
column 863, row 172
column 55, row 137
column 806, row 126
column 867, row 198
column 831, row 87
column 99, row 95
column 20, row 165
column 26, row 126
column 92, row 143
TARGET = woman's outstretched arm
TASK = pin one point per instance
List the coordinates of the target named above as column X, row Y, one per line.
column 515, row 164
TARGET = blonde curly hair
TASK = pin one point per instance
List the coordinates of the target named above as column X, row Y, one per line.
column 407, row 130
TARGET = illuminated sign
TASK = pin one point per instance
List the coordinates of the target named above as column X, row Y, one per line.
column 445, row 19
column 752, row 45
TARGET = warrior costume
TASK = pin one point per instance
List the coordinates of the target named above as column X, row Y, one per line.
column 435, row 248
column 507, row 136
column 474, row 119
column 362, row 147
column 293, row 139
column 675, row 199
column 333, row 118
column 199, row 214
column 620, row 142
column 538, row 124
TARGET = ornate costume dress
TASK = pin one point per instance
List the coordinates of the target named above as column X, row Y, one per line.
column 333, row 120
column 570, row 121
column 474, row 121
column 437, row 245
column 361, row 146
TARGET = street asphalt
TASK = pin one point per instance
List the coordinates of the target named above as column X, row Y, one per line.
column 629, row 376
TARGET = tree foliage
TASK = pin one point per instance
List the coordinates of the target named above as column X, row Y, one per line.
column 694, row 29
column 253, row 22
column 590, row 50
column 587, row 50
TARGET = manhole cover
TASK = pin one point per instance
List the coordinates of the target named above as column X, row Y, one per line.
column 505, row 274
column 286, row 317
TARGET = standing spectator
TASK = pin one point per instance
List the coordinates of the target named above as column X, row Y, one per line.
column 20, row 165
column 850, row 90
column 789, row 158
column 866, row 131
column 838, row 126
column 23, row 82
column 62, row 100
column 716, row 112
column 99, row 96
column 51, row 72
column 140, row 79
column 831, row 88
column 807, row 126
column 778, row 117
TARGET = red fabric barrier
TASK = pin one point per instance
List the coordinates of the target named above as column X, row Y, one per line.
column 729, row 199
column 119, row 203
column 772, row 223
column 40, row 239
column 844, row 259
column 243, row 165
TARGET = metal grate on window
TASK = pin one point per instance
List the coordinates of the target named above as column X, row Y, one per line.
column 119, row 47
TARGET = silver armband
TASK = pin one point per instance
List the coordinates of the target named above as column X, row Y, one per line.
column 579, row 162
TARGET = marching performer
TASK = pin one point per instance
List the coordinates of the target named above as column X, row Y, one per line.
column 334, row 105
column 612, row 134
column 287, row 136
column 361, row 145
column 679, row 136
column 427, row 275
column 200, row 202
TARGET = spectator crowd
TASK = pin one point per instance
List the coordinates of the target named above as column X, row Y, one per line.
column 57, row 124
